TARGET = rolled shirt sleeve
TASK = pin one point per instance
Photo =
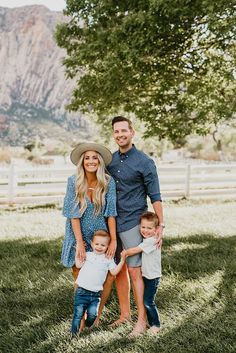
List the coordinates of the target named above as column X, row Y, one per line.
column 151, row 181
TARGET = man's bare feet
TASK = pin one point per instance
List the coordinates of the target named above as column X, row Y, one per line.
column 120, row 321
column 138, row 329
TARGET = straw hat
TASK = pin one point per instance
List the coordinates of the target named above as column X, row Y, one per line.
column 90, row 146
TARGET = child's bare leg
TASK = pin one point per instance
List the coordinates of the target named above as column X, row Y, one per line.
column 105, row 295
column 75, row 271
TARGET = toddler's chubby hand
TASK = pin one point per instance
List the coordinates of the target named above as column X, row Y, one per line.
column 79, row 263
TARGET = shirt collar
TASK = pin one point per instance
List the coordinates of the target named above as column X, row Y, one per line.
column 129, row 152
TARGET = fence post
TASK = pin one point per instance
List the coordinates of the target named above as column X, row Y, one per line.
column 187, row 181
column 12, row 183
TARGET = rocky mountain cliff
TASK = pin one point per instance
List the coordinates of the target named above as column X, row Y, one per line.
column 33, row 88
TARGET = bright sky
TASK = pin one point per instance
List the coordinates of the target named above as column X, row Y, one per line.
column 55, row 5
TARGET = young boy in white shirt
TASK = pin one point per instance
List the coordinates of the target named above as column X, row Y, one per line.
column 151, row 266
column 90, row 280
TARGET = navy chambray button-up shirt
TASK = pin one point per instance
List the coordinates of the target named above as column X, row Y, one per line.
column 136, row 178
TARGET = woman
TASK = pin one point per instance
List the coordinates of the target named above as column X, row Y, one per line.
column 89, row 204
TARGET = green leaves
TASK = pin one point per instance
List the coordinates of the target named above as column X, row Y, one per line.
column 169, row 62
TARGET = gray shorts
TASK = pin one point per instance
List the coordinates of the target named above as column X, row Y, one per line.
column 130, row 239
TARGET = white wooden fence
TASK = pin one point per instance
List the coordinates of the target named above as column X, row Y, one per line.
column 47, row 184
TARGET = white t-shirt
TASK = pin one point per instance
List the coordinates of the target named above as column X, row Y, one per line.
column 151, row 258
column 93, row 272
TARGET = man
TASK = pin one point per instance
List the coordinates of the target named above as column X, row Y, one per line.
column 136, row 178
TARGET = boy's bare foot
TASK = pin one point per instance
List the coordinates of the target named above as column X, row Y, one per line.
column 138, row 329
column 154, row 330
column 96, row 322
column 120, row 321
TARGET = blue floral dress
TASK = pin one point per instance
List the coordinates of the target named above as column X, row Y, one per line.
column 89, row 222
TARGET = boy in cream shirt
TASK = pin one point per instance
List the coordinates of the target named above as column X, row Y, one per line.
column 151, row 266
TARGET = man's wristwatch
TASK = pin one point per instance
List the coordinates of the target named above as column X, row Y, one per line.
column 162, row 225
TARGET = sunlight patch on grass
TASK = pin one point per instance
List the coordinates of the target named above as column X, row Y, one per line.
column 193, row 298
column 91, row 340
column 96, row 339
column 64, row 279
column 31, row 321
column 46, row 224
column 205, row 289
column 184, row 246
column 182, row 220
column 234, row 291
column 59, row 333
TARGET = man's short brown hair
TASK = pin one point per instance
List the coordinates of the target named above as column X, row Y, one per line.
column 120, row 118
column 151, row 217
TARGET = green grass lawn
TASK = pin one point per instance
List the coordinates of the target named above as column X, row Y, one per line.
column 196, row 299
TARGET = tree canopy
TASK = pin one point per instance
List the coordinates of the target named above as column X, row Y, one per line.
column 170, row 62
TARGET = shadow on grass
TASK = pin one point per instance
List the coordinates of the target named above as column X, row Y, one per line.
column 35, row 292
column 36, row 299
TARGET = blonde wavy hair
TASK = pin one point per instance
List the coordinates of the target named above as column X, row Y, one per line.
column 82, row 185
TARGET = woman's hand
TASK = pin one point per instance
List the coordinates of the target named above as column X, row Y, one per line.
column 80, row 251
column 110, row 253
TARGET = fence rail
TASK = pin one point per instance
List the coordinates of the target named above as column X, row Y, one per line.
column 48, row 184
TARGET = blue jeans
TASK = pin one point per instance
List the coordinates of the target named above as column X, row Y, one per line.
column 85, row 300
column 150, row 290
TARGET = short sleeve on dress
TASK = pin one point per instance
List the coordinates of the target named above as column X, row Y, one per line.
column 70, row 205
column 110, row 207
